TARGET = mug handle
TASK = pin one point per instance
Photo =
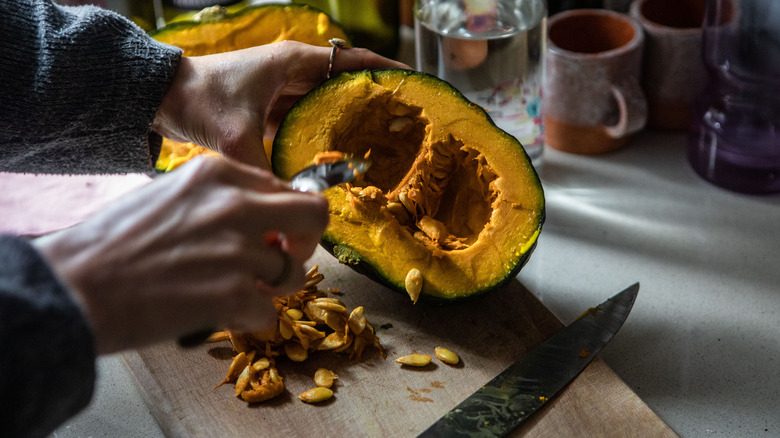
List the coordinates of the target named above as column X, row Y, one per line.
column 632, row 106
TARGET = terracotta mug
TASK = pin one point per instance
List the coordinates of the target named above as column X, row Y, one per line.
column 674, row 72
column 592, row 97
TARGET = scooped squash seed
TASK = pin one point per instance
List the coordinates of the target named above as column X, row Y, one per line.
column 324, row 377
column 446, row 356
column 316, row 395
column 413, row 284
column 415, row 360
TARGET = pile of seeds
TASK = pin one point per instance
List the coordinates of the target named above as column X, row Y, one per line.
column 308, row 321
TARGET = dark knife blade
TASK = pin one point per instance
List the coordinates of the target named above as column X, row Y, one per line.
column 512, row 396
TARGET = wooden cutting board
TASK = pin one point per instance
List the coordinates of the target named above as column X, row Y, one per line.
column 376, row 397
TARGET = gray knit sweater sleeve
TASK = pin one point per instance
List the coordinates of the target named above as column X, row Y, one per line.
column 47, row 370
column 79, row 88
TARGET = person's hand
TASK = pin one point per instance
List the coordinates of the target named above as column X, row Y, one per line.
column 196, row 248
column 229, row 102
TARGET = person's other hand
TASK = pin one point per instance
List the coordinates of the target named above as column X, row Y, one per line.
column 229, row 102
column 196, row 248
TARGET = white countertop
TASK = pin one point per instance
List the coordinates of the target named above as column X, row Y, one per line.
column 701, row 345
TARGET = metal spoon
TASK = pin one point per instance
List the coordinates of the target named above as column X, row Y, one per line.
column 319, row 177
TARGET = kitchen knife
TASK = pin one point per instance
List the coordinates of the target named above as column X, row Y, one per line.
column 314, row 178
column 512, row 396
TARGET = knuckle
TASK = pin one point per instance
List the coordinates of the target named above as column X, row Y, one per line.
column 208, row 163
column 234, row 140
column 318, row 210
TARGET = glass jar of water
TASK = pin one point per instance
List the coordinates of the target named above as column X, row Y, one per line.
column 492, row 51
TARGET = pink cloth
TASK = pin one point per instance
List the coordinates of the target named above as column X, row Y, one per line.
column 33, row 205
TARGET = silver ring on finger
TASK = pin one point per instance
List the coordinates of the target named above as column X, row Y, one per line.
column 287, row 269
column 337, row 44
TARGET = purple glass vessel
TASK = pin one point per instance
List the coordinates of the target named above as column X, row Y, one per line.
column 735, row 135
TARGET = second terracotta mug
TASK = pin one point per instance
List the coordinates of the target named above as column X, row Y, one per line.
column 592, row 97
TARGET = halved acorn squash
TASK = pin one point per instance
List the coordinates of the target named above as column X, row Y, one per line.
column 215, row 30
column 448, row 193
